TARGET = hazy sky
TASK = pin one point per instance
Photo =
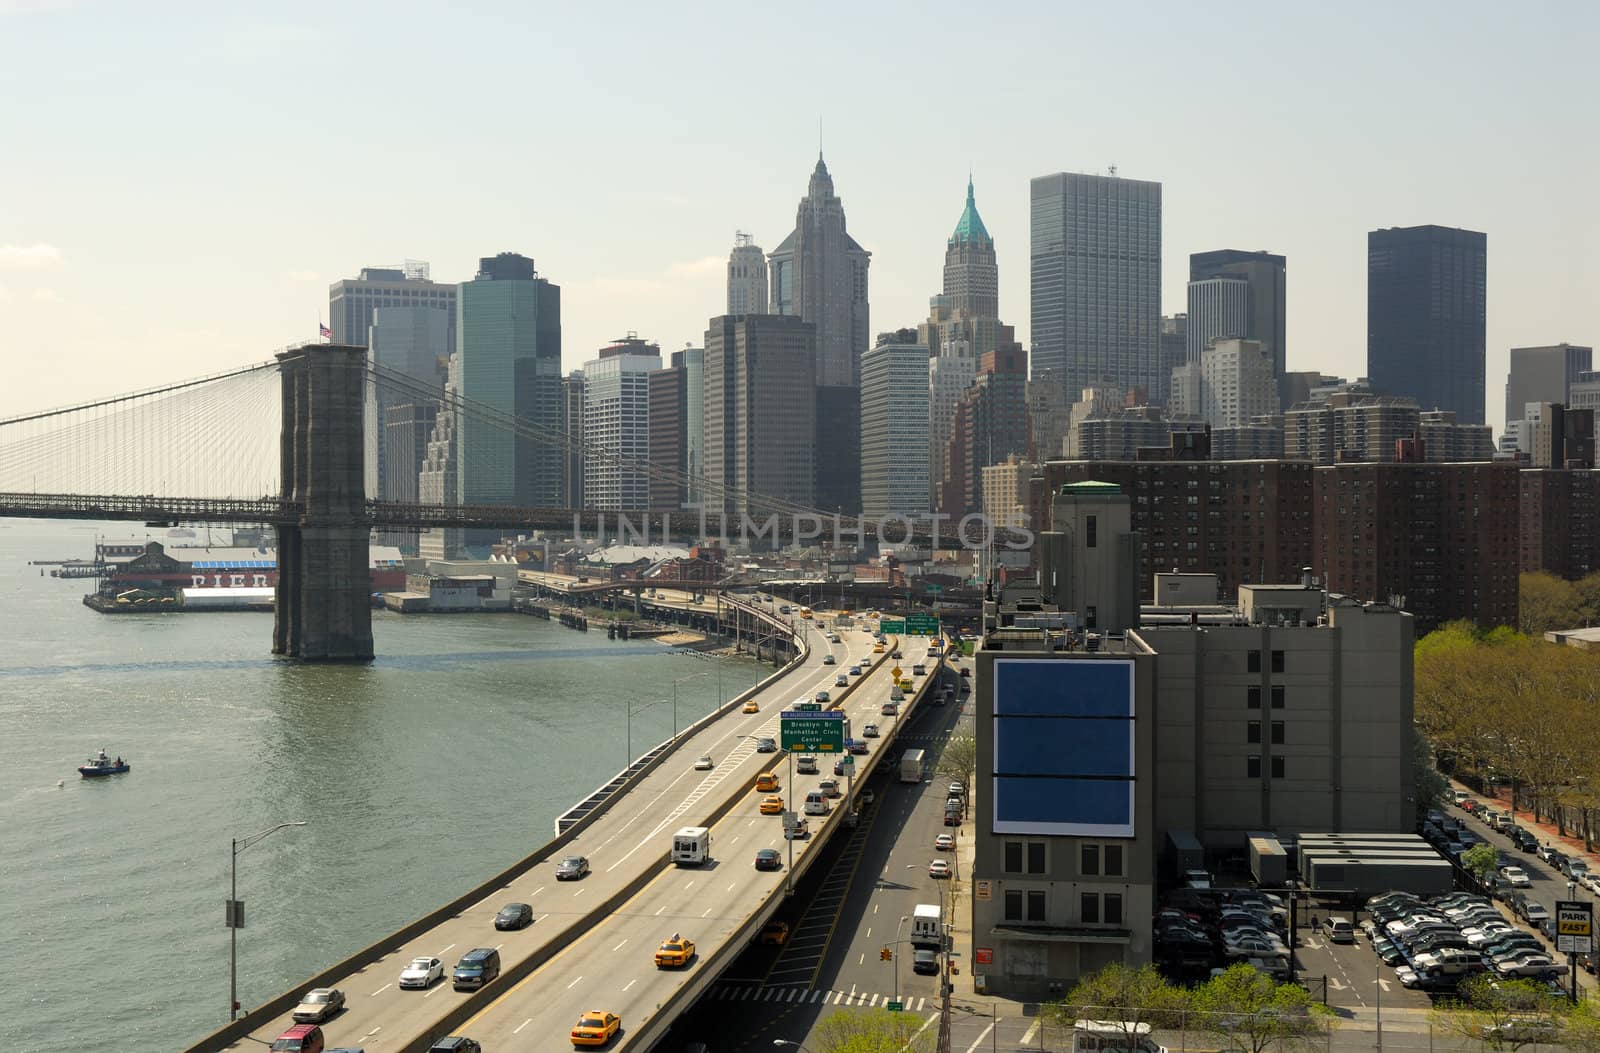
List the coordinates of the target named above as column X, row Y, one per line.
column 179, row 183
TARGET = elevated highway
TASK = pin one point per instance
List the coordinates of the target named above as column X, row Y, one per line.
column 627, row 848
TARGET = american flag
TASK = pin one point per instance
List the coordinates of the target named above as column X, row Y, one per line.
column 324, row 331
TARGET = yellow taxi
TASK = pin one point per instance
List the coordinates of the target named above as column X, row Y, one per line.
column 776, row 932
column 751, row 707
column 877, row 648
column 766, row 782
column 772, row 805
column 906, row 684
column 674, row 952
column 595, row 1027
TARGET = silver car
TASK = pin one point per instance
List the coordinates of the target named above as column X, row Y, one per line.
column 572, row 868
column 318, row 1005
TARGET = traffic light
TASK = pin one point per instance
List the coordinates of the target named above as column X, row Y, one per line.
column 886, row 955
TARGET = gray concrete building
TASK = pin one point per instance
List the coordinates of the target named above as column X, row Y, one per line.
column 1265, row 274
column 747, row 277
column 616, row 424
column 760, row 413
column 1089, row 558
column 1095, row 250
column 1544, row 374
column 351, row 301
column 1219, row 308
column 819, row 273
column 894, row 427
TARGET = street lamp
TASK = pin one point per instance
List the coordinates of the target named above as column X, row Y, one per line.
column 633, row 713
column 235, row 911
column 675, row 684
column 897, row 957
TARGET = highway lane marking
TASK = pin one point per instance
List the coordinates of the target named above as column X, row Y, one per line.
column 631, row 982
column 660, row 909
column 578, row 893
column 733, row 886
column 498, row 946
column 573, row 983
column 863, row 959
column 369, row 1034
column 434, row 991
column 380, row 990
column 708, row 911
column 528, row 1021
column 441, row 953
column 689, row 886
column 536, row 891
column 618, row 947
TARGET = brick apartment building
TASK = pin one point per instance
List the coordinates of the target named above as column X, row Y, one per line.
column 1559, row 510
column 1248, row 522
column 1443, row 536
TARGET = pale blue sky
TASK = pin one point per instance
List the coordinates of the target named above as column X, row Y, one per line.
column 179, row 182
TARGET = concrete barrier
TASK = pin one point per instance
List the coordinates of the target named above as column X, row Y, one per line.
column 229, row 1033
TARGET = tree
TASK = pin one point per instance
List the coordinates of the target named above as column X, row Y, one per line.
column 1431, row 787
column 1248, row 1010
column 877, row 1031
column 1546, row 602
column 1129, row 998
column 959, row 760
column 1481, row 861
column 1503, row 1014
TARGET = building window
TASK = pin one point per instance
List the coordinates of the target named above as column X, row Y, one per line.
column 1277, row 661
column 1089, row 861
column 1277, row 732
column 1252, row 662
column 1113, row 859
column 1089, row 531
column 1252, row 698
column 1277, row 767
column 1013, row 905
column 1252, row 731
column 1036, row 905
column 1252, row 767
column 1036, row 857
column 1013, row 862
column 1277, row 696
column 1089, row 908
column 1113, row 908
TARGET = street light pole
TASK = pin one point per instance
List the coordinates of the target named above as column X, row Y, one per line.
column 675, row 684
column 235, row 911
column 897, row 957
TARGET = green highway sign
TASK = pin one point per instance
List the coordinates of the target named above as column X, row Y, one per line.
column 808, row 732
column 891, row 625
column 895, row 1007
column 922, row 625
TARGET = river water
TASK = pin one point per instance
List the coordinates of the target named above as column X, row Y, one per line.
column 417, row 777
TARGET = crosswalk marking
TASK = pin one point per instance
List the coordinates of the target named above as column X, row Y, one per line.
column 800, row 993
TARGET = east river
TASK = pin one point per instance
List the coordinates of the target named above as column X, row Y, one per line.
column 417, row 776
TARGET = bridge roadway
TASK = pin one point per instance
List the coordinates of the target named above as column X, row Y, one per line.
column 624, row 846
column 612, row 968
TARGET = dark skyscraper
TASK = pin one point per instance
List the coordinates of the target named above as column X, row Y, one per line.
column 1425, row 317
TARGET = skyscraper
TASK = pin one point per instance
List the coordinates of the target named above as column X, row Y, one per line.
column 1425, row 316
column 894, row 427
column 819, row 273
column 1543, row 374
column 413, row 341
column 1265, row 274
column 677, row 428
column 971, row 275
column 990, row 424
column 616, row 423
column 573, row 391
column 1095, row 248
column 1218, row 308
column 760, row 411
column 747, row 277
column 351, row 301
column 508, row 358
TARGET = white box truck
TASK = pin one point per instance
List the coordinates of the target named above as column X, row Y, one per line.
column 925, row 925
column 691, row 846
column 911, row 765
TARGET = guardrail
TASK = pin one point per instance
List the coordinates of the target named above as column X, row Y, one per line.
column 229, row 1033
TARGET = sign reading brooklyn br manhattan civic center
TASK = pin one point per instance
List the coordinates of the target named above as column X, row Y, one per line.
column 806, row 732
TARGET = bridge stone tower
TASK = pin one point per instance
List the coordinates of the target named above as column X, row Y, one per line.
column 323, row 607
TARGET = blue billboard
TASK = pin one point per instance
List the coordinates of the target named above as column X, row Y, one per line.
column 1064, row 747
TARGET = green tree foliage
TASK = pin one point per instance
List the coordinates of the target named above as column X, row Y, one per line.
column 1120, row 995
column 1431, row 787
column 959, row 760
column 876, row 1031
column 1481, row 860
column 1248, row 1010
column 1503, row 1014
column 1546, row 602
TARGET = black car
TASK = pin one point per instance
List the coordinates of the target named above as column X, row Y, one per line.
column 514, row 916
column 768, row 859
column 1525, row 841
column 572, row 868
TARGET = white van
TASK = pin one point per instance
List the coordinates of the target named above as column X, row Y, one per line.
column 816, row 803
column 1339, row 930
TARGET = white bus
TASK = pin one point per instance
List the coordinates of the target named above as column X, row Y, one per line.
column 1113, row 1036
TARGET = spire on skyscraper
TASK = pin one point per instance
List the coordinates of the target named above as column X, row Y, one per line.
column 970, row 227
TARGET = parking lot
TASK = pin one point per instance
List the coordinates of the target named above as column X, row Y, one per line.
column 1354, row 975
